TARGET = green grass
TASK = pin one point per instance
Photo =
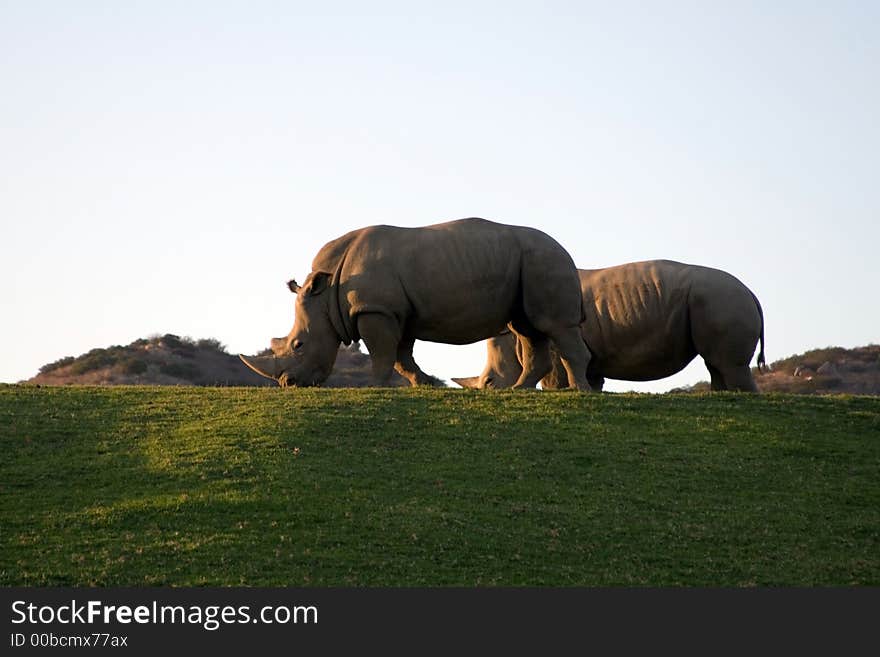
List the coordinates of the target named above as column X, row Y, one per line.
column 235, row 486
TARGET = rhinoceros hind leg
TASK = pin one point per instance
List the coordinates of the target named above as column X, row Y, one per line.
column 739, row 378
column 717, row 380
column 381, row 335
column 734, row 377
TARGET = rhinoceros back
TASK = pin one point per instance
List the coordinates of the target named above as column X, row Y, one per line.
column 331, row 254
column 637, row 319
column 459, row 281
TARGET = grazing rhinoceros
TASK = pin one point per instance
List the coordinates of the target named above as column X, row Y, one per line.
column 456, row 282
column 647, row 320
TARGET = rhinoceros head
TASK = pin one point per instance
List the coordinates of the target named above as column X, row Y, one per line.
column 502, row 365
column 306, row 356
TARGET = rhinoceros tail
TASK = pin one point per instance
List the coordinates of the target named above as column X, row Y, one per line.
column 762, row 363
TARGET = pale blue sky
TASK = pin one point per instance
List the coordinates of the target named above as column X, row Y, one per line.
column 167, row 166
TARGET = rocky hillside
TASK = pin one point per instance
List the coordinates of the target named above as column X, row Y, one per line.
column 821, row 371
column 831, row 370
column 172, row 360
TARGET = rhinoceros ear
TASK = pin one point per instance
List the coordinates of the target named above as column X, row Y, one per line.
column 318, row 283
column 293, row 286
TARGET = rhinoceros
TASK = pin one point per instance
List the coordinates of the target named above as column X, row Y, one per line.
column 456, row 282
column 648, row 320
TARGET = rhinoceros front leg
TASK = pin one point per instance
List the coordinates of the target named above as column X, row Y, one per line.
column 557, row 379
column 407, row 366
column 381, row 334
column 575, row 357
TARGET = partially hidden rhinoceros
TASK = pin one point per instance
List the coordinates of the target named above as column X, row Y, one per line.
column 648, row 320
column 457, row 282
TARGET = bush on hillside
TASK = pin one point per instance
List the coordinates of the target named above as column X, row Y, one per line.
column 186, row 371
column 61, row 362
column 133, row 366
column 97, row 359
column 212, row 344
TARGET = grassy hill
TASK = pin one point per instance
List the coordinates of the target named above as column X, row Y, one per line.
column 262, row 486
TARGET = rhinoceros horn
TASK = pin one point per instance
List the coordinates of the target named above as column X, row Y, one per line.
column 265, row 366
column 468, row 381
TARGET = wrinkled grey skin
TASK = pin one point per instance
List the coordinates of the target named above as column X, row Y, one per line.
column 648, row 320
column 456, row 282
